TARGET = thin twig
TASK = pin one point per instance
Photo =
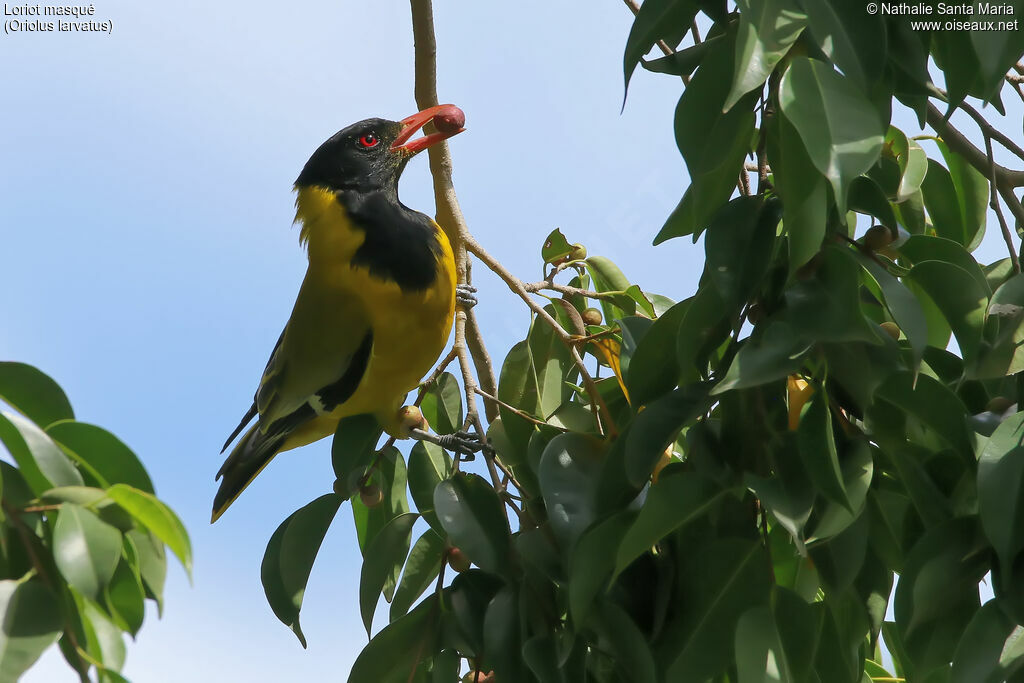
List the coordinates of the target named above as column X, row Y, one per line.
column 965, row 148
column 994, row 203
column 517, row 286
column 535, row 287
column 498, row 402
column 989, row 130
column 1014, row 78
column 449, row 213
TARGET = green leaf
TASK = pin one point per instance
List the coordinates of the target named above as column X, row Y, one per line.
column 569, row 472
column 395, row 653
column 1001, row 488
column 678, row 498
column 384, row 557
column 903, row 306
column 608, row 278
column 353, row 449
column 125, row 598
column 517, row 387
column 997, row 52
column 40, row 460
column 766, row 32
column 31, row 623
column 442, row 405
column 912, row 161
column 937, row 595
column 713, row 144
column 657, row 426
column 629, row 644
column 725, row 578
column 472, row 515
column 290, row 555
column 803, row 190
column 682, row 62
column 1006, row 354
column 930, row 402
column 866, row 197
column 102, row 452
column 853, row 38
column 972, row 194
column 920, row 248
column 654, row 365
column 770, row 356
column 738, row 247
column 657, row 19
column 954, row 54
column 991, row 649
column 34, row 394
column 858, row 468
column 501, row 635
column 961, row 299
column 158, row 518
column 103, row 640
column 390, row 476
column 704, row 327
column 85, row 549
column 818, row 449
column 841, row 129
column 592, row 561
column 556, row 248
column 429, row 465
column 152, row 563
column 421, row 569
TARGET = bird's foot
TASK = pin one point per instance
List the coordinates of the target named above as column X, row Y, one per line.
column 465, row 295
column 462, row 443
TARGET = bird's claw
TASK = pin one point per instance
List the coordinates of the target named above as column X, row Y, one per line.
column 465, row 295
column 463, row 443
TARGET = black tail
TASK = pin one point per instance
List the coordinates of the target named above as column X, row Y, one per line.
column 247, row 459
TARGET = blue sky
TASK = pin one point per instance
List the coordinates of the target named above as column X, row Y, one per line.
column 149, row 261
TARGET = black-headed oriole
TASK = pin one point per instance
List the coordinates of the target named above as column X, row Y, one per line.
column 375, row 308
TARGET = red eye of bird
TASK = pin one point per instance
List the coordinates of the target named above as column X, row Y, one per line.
column 369, row 140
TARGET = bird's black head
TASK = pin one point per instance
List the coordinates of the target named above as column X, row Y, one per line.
column 371, row 154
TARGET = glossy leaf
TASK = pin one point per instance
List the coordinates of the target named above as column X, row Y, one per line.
column 33, row 394
column 654, row 429
column 471, row 514
column 384, row 556
column 773, row 355
column 738, row 247
column 102, row 452
column 656, row 20
column 32, row 622
column 766, row 32
column 725, row 579
column 853, row 38
column 568, row 473
column 289, row 558
column 429, row 465
column 903, row 306
column 125, row 598
column 818, row 450
column 40, row 460
column 841, row 129
column 395, row 653
column 421, row 568
column 1001, row 488
column 592, row 562
column 556, row 248
column 157, row 517
column 679, row 497
column 712, row 143
column 991, row 649
column 353, row 449
column 85, row 549
column 442, row 405
column 654, row 366
column 803, row 190
column 962, row 301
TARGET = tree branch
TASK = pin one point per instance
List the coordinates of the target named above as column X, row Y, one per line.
column 965, row 148
column 994, row 203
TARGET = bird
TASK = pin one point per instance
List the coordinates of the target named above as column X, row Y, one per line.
column 375, row 307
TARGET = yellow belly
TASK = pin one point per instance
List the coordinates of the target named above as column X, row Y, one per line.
column 410, row 329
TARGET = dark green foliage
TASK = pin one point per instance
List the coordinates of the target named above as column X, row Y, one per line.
column 82, row 535
column 759, row 461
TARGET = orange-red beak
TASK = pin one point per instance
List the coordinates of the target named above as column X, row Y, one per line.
column 448, row 120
